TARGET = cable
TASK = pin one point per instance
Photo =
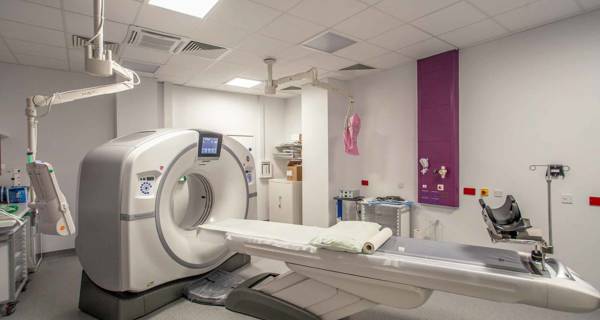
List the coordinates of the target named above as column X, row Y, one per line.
column 17, row 219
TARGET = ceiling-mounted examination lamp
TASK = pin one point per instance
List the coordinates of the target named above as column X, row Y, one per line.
column 243, row 83
column 196, row 8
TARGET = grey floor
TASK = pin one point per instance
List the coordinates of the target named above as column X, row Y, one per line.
column 54, row 289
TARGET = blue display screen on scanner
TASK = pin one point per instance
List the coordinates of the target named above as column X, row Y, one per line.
column 210, row 146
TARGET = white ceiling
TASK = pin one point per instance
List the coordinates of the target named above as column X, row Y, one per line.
column 388, row 33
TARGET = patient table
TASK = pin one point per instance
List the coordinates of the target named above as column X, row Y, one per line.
column 323, row 284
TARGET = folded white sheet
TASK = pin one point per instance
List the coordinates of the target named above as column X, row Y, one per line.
column 352, row 236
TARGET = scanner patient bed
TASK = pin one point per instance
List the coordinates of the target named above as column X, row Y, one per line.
column 402, row 273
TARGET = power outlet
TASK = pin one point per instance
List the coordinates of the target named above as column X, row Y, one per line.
column 566, row 198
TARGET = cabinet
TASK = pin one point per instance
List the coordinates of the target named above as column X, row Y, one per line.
column 285, row 201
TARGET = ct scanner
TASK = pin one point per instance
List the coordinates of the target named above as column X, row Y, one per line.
column 159, row 207
column 141, row 199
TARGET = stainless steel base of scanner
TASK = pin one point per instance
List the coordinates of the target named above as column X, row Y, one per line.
column 248, row 301
column 108, row 305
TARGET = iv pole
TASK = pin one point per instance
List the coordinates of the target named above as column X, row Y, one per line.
column 553, row 171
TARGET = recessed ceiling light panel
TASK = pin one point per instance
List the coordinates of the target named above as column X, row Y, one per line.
column 196, row 8
column 243, row 83
column 329, row 42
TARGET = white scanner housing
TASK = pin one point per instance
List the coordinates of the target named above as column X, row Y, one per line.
column 142, row 198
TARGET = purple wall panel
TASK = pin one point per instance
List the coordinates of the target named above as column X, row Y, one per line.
column 437, row 90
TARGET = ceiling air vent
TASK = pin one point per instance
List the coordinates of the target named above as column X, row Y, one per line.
column 358, row 66
column 144, row 38
column 141, row 67
column 78, row 41
column 291, row 88
column 203, row 49
column 329, row 42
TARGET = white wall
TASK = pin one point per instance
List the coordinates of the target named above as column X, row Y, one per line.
column 231, row 114
column 293, row 116
column 65, row 135
column 140, row 109
column 530, row 98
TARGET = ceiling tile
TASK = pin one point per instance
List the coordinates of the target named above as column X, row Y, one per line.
column 348, row 75
column 181, row 68
column 76, row 60
column 123, row 11
column 50, row 3
column 237, row 56
column 219, row 33
column 145, row 55
column 494, row 7
column 409, row 10
column 388, row 60
column 36, row 49
column 262, row 46
column 327, row 12
column 282, row 5
column 217, row 74
column 426, row 48
column 451, row 18
column 368, row 24
column 291, row 29
column 258, row 72
column 360, row 51
column 475, row 33
column 537, row 13
column 31, row 13
column 243, row 13
column 589, row 4
column 293, row 53
column 400, row 37
column 43, row 62
column 5, row 54
column 325, row 61
column 84, row 26
column 16, row 30
column 160, row 19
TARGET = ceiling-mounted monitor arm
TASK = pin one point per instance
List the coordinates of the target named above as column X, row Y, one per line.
column 54, row 211
column 310, row 75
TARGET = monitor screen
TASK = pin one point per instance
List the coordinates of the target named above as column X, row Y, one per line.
column 209, row 145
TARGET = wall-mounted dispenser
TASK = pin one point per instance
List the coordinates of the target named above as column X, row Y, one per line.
column 424, row 162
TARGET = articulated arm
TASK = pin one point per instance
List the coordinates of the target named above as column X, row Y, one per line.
column 311, row 75
column 55, row 216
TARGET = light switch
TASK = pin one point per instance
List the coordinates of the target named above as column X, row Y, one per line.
column 498, row 193
column 566, row 198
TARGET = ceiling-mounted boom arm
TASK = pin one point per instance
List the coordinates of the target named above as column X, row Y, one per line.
column 310, row 75
column 51, row 203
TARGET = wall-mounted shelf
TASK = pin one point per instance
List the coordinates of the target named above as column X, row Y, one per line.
column 291, row 151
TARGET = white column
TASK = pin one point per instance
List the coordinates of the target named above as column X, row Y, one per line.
column 315, row 158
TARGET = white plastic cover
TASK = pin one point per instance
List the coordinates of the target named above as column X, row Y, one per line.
column 55, row 216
